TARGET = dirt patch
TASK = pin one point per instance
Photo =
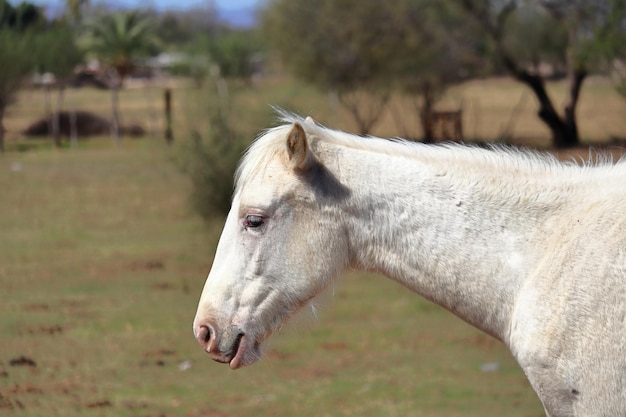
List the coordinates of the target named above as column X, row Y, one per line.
column 8, row 400
column 85, row 124
column 99, row 404
column 310, row 372
column 37, row 307
column 206, row 413
column 334, row 346
column 481, row 340
column 8, row 404
column 47, row 330
column 149, row 265
column 23, row 361
column 163, row 286
column 157, row 357
column 25, row 389
column 159, row 352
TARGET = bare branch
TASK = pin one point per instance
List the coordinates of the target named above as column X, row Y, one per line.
column 493, row 26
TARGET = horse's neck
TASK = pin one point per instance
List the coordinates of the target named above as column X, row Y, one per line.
column 448, row 231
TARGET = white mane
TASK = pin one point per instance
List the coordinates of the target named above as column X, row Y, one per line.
column 498, row 157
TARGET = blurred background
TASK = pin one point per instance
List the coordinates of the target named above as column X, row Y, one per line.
column 121, row 123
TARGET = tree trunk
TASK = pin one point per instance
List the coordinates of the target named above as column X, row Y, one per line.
column 169, row 136
column 115, row 114
column 576, row 79
column 47, row 106
column 56, row 117
column 366, row 111
column 73, row 130
column 563, row 129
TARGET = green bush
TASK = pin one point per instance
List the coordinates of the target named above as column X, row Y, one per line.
column 211, row 160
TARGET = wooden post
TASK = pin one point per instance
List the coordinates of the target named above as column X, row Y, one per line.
column 115, row 113
column 169, row 136
column 73, row 130
column 445, row 125
column 56, row 116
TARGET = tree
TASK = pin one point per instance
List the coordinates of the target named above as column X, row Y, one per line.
column 22, row 17
column 15, row 55
column 339, row 45
column 55, row 51
column 235, row 52
column 74, row 10
column 26, row 45
column 27, row 16
column 585, row 27
column 29, row 44
column 416, row 47
column 436, row 49
column 119, row 39
column 177, row 28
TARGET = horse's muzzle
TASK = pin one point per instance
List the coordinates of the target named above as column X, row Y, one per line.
column 229, row 342
column 224, row 349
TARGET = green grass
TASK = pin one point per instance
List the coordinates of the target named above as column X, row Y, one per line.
column 102, row 262
column 101, row 266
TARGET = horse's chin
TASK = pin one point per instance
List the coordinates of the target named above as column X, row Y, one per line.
column 247, row 353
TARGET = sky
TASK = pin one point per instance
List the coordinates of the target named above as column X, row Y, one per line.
column 236, row 12
column 178, row 4
column 164, row 4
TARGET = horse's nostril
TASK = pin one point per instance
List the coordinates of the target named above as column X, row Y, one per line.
column 229, row 342
column 203, row 336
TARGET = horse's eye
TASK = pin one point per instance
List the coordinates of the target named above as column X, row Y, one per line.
column 253, row 220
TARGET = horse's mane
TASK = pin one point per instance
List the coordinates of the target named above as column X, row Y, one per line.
column 497, row 156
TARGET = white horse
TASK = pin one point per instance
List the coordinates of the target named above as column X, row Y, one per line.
column 530, row 250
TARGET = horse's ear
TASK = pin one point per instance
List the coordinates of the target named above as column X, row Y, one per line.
column 298, row 148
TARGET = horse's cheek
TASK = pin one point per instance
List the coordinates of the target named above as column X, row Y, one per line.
column 324, row 263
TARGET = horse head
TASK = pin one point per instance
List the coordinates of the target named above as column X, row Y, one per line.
column 279, row 248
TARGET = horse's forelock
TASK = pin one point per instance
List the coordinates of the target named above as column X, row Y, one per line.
column 270, row 143
column 262, row 150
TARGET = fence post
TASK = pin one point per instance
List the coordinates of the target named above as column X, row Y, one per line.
column 169, row 136
column 73, row 129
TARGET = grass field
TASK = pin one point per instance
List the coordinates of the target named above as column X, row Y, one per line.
column 102, row 262
column 101, row 266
